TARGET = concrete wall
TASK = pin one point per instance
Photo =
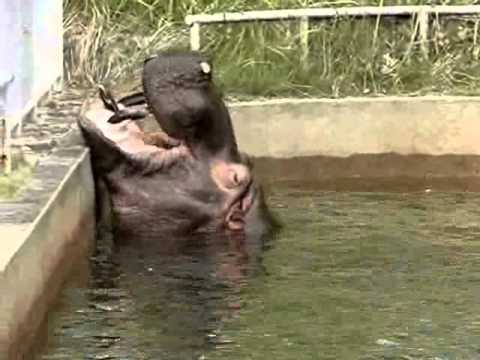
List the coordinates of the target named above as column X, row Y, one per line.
column 44, row 233
column 340, row 128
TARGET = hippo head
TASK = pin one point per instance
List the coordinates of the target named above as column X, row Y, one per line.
column 202, row 185
column 180, row 92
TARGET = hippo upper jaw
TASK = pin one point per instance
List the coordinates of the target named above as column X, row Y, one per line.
column 234, row 179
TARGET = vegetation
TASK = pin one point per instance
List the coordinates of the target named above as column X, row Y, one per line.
column 10, row 184
column 107, row 41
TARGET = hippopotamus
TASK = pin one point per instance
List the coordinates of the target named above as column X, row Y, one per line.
column 199, row 183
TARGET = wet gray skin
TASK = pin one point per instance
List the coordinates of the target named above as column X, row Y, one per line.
column 178, row 89
column 156, row 192
column 202, row 185
column 180, row 92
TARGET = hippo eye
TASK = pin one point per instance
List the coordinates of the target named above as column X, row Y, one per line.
column 206, row 68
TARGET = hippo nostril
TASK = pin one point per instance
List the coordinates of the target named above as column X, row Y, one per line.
column 236, row 180
column 231, row 176
column 240, row 175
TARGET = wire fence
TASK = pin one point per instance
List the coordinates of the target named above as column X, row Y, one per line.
column 422, row 13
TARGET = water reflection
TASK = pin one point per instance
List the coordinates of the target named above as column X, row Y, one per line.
column 351, row 276
column 166, row 300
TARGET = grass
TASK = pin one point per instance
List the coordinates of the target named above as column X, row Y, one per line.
column 107, row 41
column 12, row 183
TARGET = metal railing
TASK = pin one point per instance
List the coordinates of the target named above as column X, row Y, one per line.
column 5, row 131
column 421, row 12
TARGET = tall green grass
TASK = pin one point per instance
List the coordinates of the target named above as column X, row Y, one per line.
column 107, row 41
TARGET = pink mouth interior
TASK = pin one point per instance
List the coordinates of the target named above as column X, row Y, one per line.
column 127, row 135
column 235, row 218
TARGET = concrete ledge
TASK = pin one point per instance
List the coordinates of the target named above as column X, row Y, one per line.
column 285, row 128
column 47, row 230
column 373, row 172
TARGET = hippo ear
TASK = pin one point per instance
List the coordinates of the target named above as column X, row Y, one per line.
column 105, row 154
column 206, row 67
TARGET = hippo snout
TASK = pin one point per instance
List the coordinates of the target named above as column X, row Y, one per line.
column 236, row 182
column 231, row 177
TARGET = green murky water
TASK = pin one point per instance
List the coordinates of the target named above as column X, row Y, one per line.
column 350, row 276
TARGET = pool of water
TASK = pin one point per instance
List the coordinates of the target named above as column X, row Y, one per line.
column 349, row 276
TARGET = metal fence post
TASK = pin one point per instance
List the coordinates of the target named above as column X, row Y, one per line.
column 195, row 36
column 6, row 126
column 422, row 18
column 7, row 143
column 304, row 30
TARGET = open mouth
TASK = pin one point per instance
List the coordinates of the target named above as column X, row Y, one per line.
column 235, row 219
column 130, row 138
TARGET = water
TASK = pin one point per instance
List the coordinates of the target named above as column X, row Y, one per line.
column 350, row 276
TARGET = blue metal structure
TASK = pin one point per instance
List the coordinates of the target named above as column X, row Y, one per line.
column 31, row 41
column 31, row 56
